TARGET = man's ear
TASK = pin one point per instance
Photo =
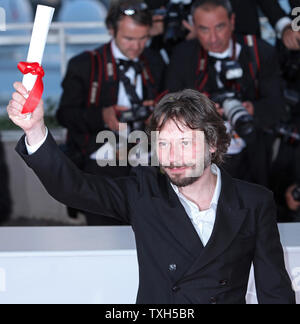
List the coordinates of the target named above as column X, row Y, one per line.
column 212, row 150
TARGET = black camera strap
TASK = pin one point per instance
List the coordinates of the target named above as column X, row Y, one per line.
column 254, row 64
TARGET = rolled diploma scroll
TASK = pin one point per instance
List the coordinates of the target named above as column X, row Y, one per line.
column 42, row 22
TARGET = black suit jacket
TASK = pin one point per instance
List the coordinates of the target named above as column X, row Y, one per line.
column 5, row 200
column 245, row 231
column 247, row 19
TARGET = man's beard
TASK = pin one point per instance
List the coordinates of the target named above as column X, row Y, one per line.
column 187, row 181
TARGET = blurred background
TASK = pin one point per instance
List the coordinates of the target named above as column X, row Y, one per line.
column 78, row 26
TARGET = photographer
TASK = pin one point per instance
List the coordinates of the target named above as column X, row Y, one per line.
column 101, row 86
column 5, row 200
column 254, row 79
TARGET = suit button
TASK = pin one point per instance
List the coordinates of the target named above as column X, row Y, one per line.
column 176, row 289
column 172, row 267
column 223, row 283
column 213, row 300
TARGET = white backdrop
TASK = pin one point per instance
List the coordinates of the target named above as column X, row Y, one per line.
column 89, row 265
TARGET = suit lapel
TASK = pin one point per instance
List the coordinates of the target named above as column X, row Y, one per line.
column 175, row 218
column 229, row 219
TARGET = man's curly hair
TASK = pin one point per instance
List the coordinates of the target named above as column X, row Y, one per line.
column 195, row 111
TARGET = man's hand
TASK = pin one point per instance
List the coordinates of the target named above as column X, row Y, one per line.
column 291, row 39
column 249, row 107
column 34, row 128
column 148, row 103
column 220, row 110
column 157, row 26
column 110, row 117
column 192, row 31
column 291, row 202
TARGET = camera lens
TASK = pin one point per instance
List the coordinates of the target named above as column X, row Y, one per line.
column 239, row 117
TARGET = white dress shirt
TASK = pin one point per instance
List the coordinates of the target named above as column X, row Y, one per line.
column 203, row 221
column 123, row 99
column 31, row 149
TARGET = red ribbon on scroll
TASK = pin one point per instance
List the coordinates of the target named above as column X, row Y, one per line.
column 36, row 93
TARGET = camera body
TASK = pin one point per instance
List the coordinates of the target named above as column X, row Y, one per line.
column 296, row 193
column 138, row 113
column 235, row 112
column 231, row 101
column 174, row 13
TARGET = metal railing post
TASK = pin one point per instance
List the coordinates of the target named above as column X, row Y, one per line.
column 63, row 50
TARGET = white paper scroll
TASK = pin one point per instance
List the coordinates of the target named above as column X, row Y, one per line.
column 42, row 22
column 38, row 41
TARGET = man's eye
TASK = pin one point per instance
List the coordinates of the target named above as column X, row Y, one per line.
column 163, row 144
column 186, row 143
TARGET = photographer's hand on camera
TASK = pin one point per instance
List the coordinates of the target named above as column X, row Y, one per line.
column 150, row 104
column 220, row 110
column 191, row 29
column 291, row 39
column 110, row 117
column 157, row 25
column 249, row 107
column 34, row 127
column 291, row 202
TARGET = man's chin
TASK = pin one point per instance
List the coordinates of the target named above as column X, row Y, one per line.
column 182, row 182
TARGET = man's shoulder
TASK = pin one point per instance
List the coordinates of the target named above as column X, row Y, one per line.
column 84, row 57
column 263, row 47
column 250, row 192
column 187, row 48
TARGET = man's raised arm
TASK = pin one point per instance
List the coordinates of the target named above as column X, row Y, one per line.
column 61, row 178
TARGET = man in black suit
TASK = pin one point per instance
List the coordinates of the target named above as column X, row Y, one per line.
column 197, row 230
column 102, row 84
column 198, row 64
column 247, row 19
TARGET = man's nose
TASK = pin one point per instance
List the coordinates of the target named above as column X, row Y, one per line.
column 175, row 155
column 136, row 45
column 213, row 36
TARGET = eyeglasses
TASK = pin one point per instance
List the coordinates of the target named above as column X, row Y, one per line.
column 133, row 10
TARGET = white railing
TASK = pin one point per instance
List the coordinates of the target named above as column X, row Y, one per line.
column 59, row 34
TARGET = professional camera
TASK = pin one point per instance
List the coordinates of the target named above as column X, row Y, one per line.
column 231, row 101
column 174, row 12
column 296, row 193
column 235, row 112
column 136, row 114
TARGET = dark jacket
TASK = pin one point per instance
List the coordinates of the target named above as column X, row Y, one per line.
column 83, row 122
column 5, row 199
column 245, row 231
column 247, row 18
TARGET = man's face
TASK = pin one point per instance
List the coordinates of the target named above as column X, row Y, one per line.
column 131, row 38
column 182, row 153
column 214, row 28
